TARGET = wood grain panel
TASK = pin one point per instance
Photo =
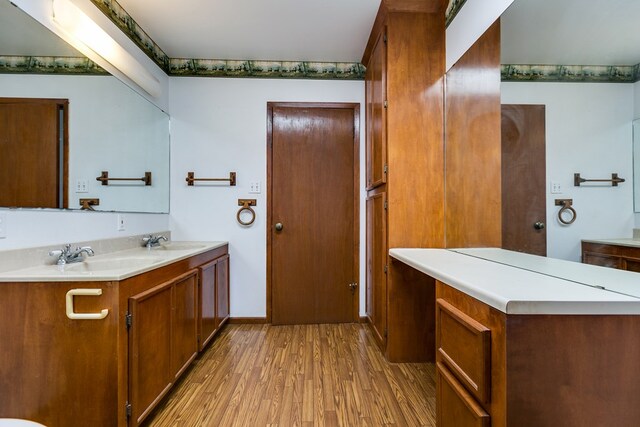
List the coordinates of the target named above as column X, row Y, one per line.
column 222, row 290
column 473, row 146
column 208, row 322
column 376, row 96
column 524, row 178
column 377, row 260
column 457, row 408
column 573, row 371
column 414, row 130
column 614, row 256
column 185, row 322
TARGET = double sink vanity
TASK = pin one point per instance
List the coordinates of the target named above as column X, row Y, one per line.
column 523, row 340
column 104, row 339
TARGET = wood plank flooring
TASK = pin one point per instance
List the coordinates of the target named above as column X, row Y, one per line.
column 307, row 375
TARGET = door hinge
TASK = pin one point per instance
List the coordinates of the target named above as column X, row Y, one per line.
column 386, row 103
column 384, row 38
column 127, row 409
column 386, row 268
column 128, row 319
column 385, row 168
column 386, row 205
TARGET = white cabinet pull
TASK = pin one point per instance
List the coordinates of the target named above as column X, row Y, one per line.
column 84, row 316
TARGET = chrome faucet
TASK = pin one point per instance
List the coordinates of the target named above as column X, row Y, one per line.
column 151, row 240
column 68, row 256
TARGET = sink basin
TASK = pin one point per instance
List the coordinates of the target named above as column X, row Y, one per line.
column 110, row 264
column 185, row 246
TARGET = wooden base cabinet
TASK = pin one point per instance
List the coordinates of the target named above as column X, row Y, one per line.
column 533, row 370
column 214, row 294
column 111, row 372
column 614, row 256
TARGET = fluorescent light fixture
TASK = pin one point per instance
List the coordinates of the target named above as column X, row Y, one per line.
column 84, row 30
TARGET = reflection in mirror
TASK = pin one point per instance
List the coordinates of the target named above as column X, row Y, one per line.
column 90, row 122
column 579, row 60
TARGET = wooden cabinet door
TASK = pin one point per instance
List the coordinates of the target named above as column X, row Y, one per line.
column 376, row 265
column 376, row 95
column 185, row 326
column 455, row 407
column 208, row 320
column 150, row 373
column 222, row 290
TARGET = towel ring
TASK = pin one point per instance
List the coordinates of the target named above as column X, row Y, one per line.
column 246, row 206
column 566, row 207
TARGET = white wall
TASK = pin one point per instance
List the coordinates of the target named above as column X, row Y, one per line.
column 218, row 126
column 588, row 130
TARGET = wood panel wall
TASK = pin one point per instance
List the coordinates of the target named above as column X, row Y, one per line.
column 473, row 215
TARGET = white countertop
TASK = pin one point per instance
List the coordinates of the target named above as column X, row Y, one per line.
column 634, row 243
column 112, row 266
column 515, row 290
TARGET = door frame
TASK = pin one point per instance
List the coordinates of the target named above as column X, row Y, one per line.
column 356, row 187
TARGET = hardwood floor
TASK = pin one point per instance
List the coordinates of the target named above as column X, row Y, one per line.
column 307, row 375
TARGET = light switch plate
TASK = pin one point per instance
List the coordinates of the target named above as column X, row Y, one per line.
column 3, row 225
column 121, row 222
column 255, row 187
column 81, row 186
column 556, row 188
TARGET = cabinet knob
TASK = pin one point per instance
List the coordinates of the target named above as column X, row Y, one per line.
column 539, row 225
column 279, row 226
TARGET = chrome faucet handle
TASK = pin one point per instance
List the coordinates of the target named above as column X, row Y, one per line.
column 85, row 249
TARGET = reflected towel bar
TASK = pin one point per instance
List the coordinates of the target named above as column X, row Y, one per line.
column 104, row 178
column 577, row 180
column 191, row 179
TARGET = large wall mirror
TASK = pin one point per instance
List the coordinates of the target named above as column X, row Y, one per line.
column 578, row 61
column 636, row 165
column 65, row 122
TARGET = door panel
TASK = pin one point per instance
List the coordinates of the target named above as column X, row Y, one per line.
column 376, row 262
column 376, row 93
column 208, row 324
column 222, row 290
column 523, row 178
column 29, row 165
column 185, row 326
column 313, row 197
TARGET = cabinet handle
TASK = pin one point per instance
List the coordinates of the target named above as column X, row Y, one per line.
column 84, row 316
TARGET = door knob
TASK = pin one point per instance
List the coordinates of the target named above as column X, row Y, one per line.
column 538, row 225
column 279, row 226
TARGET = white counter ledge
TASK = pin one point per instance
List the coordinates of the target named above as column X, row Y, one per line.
column 112, row 266
column 514, row 290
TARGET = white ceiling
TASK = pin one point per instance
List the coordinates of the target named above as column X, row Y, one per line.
column 572, row 32
column 302, row 30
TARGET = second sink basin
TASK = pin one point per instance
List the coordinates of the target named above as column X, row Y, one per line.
column 112, row 264
column 178, row 246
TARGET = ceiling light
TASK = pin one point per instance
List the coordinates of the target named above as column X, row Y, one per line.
column 70, row 19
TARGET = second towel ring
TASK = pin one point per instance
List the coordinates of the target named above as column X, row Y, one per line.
column 566, row 207
column 246, row 206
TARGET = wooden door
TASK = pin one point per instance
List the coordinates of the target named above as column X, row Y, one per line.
column 222, row 290
column 208, row 321
column 524, row 207
column 313, row 194
column 32, row 172
column 376, row 265
column 376, row 93
column 149, row 349
column 185, row 326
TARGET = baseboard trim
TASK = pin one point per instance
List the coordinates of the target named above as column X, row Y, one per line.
column 364, row 319
column 247, row 320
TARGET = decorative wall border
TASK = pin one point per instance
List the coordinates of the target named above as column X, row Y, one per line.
column 266, row 69
column 570, row 73
column 124, row 21
column 452, row 10
column 50, row 65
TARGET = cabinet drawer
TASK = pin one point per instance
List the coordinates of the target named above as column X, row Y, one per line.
column 601, row 260
column 464, row 346
column 455, row 406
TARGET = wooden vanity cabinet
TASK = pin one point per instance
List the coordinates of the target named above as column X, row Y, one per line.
column 609, row 255
column 405, row 158
column 528, row 370
column 110, row 372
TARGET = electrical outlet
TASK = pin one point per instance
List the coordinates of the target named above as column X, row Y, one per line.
column 121, row 222
column 556, row 188
column 3, row 225
column 254, row 187
column 81, row 186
